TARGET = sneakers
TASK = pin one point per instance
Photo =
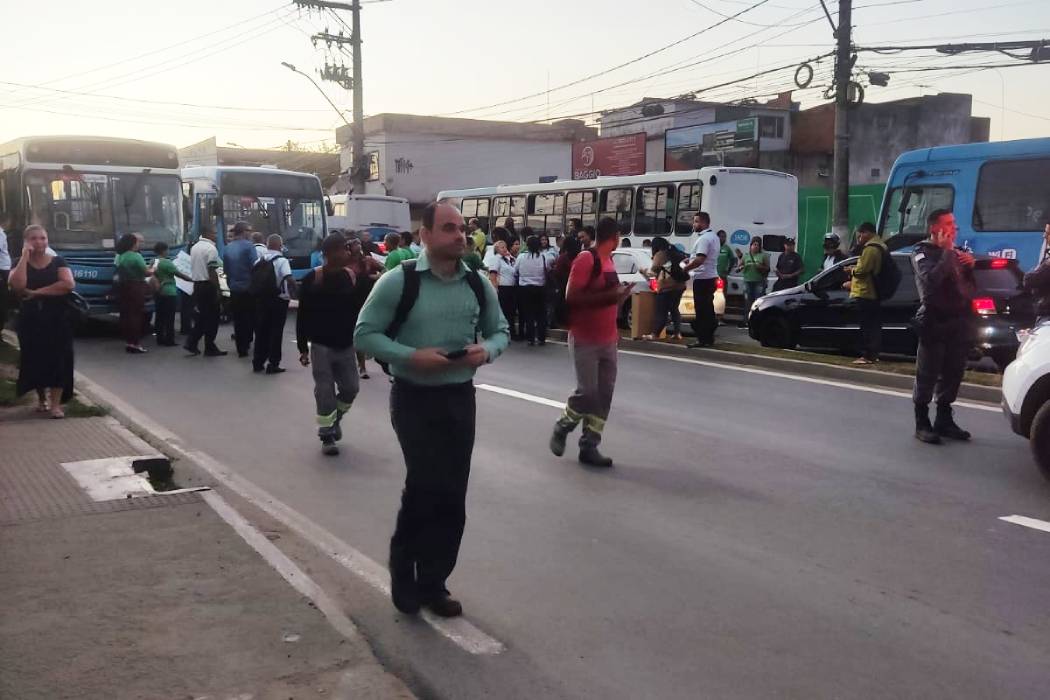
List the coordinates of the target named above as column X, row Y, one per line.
column 557, row 443
column 591, row 456
column 945, row 425
column 444, row 605
column 328, row 446
column 923, row 430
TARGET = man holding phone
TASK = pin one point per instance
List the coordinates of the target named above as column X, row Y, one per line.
column 433, row 353
column 594, row 295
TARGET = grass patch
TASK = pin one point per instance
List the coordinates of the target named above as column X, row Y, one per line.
column 8, row 355
column 77, row 409
column 7, row 393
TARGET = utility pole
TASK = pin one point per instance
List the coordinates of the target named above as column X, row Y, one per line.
column 339, row 75
column 843, row 73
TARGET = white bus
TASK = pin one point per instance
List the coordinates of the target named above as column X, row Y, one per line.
column 375, row 213
column 285, row 202
column 88, row 191
column 745, row 202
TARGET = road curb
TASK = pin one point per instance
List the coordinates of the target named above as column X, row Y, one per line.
column 900, row 382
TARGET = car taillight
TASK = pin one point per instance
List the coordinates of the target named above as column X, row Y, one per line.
column 719, row 283
column 653, row 285
column 984, row 306
column 999, row 263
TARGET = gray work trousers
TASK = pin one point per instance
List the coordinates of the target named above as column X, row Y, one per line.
column 335, row 384
column 595, row 382
column 939, row 367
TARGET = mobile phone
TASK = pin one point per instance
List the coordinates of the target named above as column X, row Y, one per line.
column 456, row 354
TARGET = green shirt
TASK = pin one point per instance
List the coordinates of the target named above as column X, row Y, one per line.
column 752, row 263
column 165, row 274
column 131, row 266
column 397, row 257
column 444, row 316
column 479, row 241
column 474, row 262
column 725, row 260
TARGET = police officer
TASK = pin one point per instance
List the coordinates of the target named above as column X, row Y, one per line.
column 945, row 325
column 1037, row 282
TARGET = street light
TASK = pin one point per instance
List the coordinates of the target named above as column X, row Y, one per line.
column 292, row 68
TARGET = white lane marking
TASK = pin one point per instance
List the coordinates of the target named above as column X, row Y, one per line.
column 288, row 569
column 1027, row 522
column 521, row 395
column 458, row 630
column 794, row 377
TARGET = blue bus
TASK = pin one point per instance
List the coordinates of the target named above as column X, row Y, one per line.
column 87, row 192
column 285, row 202
column 999, row 193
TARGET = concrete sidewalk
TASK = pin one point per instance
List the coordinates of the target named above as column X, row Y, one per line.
column 154, row 596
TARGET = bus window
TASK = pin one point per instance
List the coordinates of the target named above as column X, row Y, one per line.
column 654, row 206
column 580, row 205
column 508, row 207
column 688, row 206
column 617, row 204
column 546, row 213
column 1012, row 195
column 477, row 208
column 919, row 202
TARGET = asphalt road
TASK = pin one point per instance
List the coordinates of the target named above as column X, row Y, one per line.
column 759, row 536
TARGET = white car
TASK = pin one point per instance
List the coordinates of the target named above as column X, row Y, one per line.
column 1026, row 392
column 633, row 264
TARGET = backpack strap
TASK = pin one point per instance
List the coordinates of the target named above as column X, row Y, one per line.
column 409, row 294
column 596, row 263
column 478, row 287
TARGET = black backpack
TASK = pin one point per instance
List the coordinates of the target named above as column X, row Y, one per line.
column 561, row 308
column 889, row 277
column 409, row 294
column 677, row 272
column 263, row 283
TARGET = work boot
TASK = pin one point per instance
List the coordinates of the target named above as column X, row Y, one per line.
column 945, row 426
column 403, row 590
column 328, row 446
column 590, row 455
column 923, row 429
column 444, row 605
column 557, row 443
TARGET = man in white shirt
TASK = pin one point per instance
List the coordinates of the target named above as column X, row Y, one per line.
column 703, row 268
column 5, row 268
column 272, row 308
column 204, row 270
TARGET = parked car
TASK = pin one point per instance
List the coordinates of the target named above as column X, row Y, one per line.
column 819, row 314
column 1026, row 393
column 633, row 264
column 688, row 309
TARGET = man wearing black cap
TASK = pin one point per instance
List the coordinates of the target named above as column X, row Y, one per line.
column 238, row 259
column 789, row 267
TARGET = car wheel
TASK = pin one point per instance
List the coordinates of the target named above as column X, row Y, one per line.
column 776, row 332
column 1040, row 439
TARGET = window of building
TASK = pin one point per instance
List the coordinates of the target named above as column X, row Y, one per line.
column 688, row 206
column 654, row 206
column 580, row 205
column 507, row 207
column 771, row 127
column 477, row 208
column 876, row 172
column 617, row 204
column 1012, row 195
column 547, row 213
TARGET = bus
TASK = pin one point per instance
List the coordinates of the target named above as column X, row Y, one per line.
column 374, row 213
column 288, row 203
column 999, row 193
column 745, row 202
column 87, row 192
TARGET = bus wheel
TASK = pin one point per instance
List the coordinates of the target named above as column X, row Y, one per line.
column 776, row 333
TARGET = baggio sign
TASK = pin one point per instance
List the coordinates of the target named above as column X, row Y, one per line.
column 615, row 155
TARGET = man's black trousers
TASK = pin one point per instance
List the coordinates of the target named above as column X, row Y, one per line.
column 242, row 309
column 435, row 426
column 269, row 331
column 870, row 316
column 206, row 301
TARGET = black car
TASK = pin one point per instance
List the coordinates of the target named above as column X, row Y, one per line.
column 819, row 314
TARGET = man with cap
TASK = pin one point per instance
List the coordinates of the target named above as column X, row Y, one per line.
column 863, row 292
column 789, row 267
column 238, row 259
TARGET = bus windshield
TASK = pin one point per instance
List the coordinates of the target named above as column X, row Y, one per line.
column 89, row 211
column 907, row 208
column 291, row 206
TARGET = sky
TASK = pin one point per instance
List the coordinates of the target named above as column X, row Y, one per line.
column 181, row 72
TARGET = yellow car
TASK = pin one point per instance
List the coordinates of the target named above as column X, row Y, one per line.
column 688, row 309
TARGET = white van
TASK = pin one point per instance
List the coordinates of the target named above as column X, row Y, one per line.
column 377, row 214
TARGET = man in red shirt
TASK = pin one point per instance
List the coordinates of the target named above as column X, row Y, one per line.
column 593, row 295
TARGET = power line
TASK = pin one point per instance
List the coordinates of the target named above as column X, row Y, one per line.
column 614, row 68
column 742, row 21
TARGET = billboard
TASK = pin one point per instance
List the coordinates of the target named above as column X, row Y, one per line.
column 614, row 155
column 720, row 143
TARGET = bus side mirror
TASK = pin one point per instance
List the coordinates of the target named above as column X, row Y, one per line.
column 329, row 207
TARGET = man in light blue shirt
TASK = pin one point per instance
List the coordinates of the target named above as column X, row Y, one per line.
column 453, row 327
column 238, row 259
column 703, row 268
